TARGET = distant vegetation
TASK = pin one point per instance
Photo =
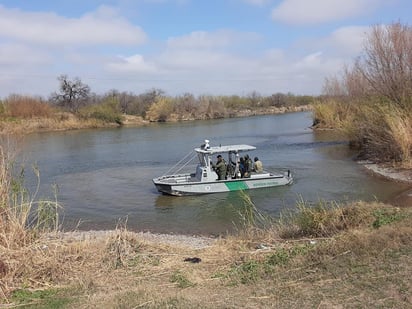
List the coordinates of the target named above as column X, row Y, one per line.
column 74, row 101
column 372, row 101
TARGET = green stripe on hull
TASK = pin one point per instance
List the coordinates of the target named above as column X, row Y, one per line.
column 236, row 185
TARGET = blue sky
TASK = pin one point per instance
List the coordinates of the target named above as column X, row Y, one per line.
column 185, row 46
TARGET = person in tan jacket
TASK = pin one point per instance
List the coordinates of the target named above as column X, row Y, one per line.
column 257, row 166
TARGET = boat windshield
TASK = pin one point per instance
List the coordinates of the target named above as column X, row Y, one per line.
column 203, row 158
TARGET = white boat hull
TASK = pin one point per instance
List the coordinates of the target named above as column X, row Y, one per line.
column 184, row 184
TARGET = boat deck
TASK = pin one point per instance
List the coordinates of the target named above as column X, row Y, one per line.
column 190, row 178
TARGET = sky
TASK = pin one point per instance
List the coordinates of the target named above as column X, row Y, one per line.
column 202, row 47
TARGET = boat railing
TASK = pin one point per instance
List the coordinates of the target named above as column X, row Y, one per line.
column 181, row 164
column 181, row 178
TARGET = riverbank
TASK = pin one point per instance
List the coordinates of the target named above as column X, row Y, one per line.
column 69, row 121
column 393, row 174
column 362, row 263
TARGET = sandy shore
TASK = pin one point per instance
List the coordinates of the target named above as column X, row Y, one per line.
column 398, row 175
column 176, row 240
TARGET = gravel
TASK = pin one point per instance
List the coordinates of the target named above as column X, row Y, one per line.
column 194, row 242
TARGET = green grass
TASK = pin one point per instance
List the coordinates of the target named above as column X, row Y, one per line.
column 386, row 216
column 47, row 299
column 181, row 280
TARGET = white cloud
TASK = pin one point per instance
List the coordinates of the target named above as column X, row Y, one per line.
column 202, row 62
column 36, row 47
column 132, row 64
column 321, row 11
column 199, row 51
column 13, row 55
column 103, row 26
column 217, row 39
column 310, row 61
column 344, row 42
column 350, row 38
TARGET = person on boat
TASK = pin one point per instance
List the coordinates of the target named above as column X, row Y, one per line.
column 242, row 168
column 231, row 167
column 257, row 166
column 248, row 166
column 220, row 168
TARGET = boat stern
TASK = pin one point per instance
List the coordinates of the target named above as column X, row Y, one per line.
column 289, row 177
column 169, row 184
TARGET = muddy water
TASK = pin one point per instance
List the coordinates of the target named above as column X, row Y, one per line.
column 104, row 176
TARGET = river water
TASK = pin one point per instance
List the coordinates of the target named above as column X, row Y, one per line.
column 104, row 176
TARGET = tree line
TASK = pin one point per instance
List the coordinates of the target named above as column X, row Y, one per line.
column 75, row 96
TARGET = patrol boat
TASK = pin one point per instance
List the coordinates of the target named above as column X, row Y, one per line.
column 205, row 179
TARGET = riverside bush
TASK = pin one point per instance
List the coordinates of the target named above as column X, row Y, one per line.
column 107, row 112
column 372, row 102
column 17, row 106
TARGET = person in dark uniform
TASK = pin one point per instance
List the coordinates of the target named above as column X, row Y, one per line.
column 220, row 168
column 242, row 168
column 248, row 166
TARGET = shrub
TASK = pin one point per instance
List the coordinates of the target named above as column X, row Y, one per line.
column 330, row 114
column 26, row 107
column 384, row 133
column 2, row 108
column 161, row 110
column 322, row 219
column 373, row 99
column 107, row 112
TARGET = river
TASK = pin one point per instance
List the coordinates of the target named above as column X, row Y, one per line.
column 104, row 176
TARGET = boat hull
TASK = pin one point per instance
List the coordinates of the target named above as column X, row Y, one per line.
column 166, row 186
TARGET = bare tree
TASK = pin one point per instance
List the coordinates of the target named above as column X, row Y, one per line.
column 186, row 103
column 255, row 99
column 387, row 62
column 72, row 94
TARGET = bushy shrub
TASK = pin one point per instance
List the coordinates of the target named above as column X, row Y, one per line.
column 2, row 108
column 26, row 107
column 372, row 102
column 107, row 112
column 161, row 110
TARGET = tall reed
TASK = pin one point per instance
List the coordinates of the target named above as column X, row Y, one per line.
column 23, row 218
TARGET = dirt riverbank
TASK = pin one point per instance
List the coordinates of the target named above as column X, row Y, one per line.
column 68, row 121
column 393, row 174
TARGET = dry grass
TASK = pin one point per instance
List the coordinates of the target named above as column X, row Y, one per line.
column 25, row 107
column 400, row 130
column 22, row 115
column 57, row 122
column 377, row 88
column 382, row 131
column 356, row 265
column 325, row 115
